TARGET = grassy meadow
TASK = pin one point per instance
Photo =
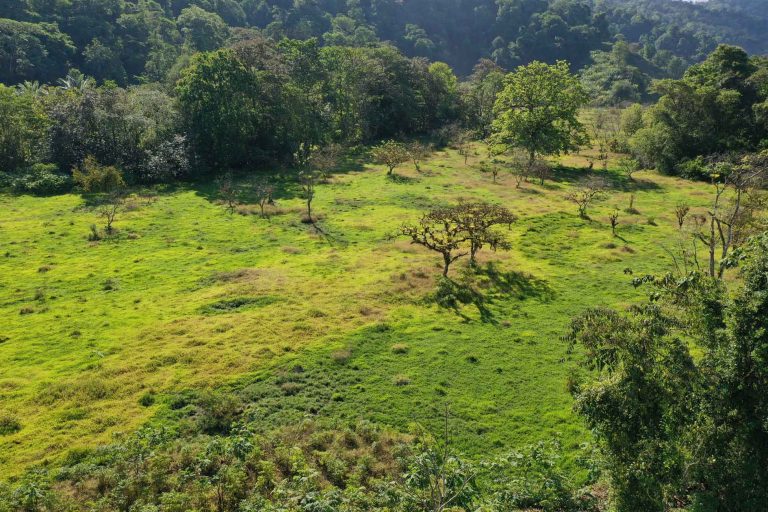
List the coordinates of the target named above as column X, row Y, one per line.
column 98, row 338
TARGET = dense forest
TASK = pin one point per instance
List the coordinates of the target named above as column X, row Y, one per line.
column 268, row 174
column 132, row 42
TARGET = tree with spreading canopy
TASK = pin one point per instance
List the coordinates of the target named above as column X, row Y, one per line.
column 537, row 111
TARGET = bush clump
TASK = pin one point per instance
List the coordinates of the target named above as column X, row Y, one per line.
column 42, row 180
column 9, row 424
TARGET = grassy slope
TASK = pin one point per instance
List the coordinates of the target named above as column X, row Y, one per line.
column 106, row 322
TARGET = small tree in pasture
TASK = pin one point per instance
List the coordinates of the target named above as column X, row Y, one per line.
column 453, row 230
column 681, row 212
column 263, row 192
column 614, row 220
column 628, row 167
column 586, row 192
column 438, row 231
column 519, row 167
column 541, row 170
column 477, row 219
column 314, row 165
column 737, row 199
column 418, row 152
column 107, row 181
column 228, row 192
column 462, row 141
column 391, row 154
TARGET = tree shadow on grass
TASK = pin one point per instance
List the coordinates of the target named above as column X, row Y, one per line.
column 514, row 284
column 401, row 179
column 483, row 286
column 617, row 181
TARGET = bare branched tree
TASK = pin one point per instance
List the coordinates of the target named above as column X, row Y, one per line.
column 737, row 181
column 681, row 212
column 586, row 192
column 614, row 220
column 228, row 192
column 263, row 191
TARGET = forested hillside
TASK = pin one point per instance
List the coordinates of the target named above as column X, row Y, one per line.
column 137, row 41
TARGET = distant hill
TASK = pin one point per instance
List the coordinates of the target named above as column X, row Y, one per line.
column 142, row 40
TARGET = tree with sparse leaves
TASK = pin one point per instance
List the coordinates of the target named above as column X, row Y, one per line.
column 418, row 151
column 391, row 154
column 586, row 192
column 439, row 231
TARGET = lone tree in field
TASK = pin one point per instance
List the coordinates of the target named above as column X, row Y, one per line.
column 228, row 192
column 263, row 191
column 518, row 166
column 104, row 180
column 586, row 192
column 681, row 212
column 392, row 154
column 438, row 231
column 537, row 111
column 628, row 167
column 467, row 226
column 477, row 219
column 418, row 151
column 614, row 220
column 314, row 164
column 462, row 141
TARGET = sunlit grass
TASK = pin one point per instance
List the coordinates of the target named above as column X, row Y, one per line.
column 188, row 296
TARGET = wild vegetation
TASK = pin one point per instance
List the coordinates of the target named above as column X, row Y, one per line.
column 241, row 271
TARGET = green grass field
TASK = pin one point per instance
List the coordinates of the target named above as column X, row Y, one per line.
column 189, row 296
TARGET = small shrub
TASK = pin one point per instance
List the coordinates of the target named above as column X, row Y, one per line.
column 94, row 235
column 401, row 380
column 399, row 348
column 147, row 399
column 216, row 411
column 9, row 424
column 111, row 284
column 341, row 356
column 290, row 388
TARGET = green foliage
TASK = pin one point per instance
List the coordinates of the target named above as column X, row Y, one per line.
column 714, row 108
column 96, row 178
column 22, row 132
column 204, row 31
column 619, row 76
column 674, row 428
column 537, row 110
column 33, row 51
column 42, row 180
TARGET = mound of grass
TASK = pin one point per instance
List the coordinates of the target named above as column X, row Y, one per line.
column 237, row 303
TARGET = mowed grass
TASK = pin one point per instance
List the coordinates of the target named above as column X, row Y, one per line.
column 189, row 296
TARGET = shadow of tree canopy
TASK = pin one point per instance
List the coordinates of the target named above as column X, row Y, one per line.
column 483, row 286
column 616, row 180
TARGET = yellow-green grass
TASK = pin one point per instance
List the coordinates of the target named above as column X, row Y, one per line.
column 88, row 328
